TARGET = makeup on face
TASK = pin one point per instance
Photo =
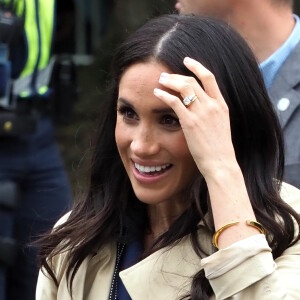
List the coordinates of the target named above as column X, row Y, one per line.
column 149, row 138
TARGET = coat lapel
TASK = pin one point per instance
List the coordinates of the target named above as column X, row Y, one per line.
column 285, row 87
column 97, row 281
column 167, row 273
column 93, row 278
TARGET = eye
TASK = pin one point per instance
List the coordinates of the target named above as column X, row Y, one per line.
column 170, row 121
column 128, row 113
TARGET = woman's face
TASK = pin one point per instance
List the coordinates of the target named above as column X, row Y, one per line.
column 150, row 140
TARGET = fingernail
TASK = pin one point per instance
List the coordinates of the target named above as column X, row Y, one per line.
column 163, row 77
column 157, row 92
column 188, row 60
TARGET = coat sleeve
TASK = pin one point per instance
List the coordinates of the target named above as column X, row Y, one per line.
column 246, row 270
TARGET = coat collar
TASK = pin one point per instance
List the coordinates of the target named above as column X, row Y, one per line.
column 167, row 273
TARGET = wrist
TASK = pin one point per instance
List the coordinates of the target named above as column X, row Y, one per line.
column 252, row 223
column 222, row 173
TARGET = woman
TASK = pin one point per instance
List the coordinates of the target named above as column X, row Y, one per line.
column 189, row 150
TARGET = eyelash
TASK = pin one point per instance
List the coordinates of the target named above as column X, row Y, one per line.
column 125, row 111
column 175, row 121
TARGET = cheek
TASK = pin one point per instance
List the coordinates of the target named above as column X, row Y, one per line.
column 179, row 146
column 121, row 135
column 182, row 152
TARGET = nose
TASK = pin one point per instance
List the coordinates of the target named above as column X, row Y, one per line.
column 145, row 142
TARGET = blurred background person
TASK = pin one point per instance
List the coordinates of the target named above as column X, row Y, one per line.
column 273, row 32
column 34, row 189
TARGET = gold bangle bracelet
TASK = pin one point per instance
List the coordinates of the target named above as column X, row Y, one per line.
column 218, row 232
column 254, row 224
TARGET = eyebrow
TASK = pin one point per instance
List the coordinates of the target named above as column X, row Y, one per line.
column 164, row 110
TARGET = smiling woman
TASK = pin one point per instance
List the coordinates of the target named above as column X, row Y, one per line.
column 150, row 141
column 185, row 199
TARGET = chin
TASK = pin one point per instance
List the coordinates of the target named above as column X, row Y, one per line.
column 150, row 197
column 148, row 200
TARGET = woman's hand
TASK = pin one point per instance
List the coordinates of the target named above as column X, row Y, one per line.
column 206, row 126
column 205, row 122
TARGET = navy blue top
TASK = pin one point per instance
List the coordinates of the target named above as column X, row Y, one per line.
column 131, row 255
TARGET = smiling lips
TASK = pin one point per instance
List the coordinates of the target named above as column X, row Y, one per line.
column 151, row 170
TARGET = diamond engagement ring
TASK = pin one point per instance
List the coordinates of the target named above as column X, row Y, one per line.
column 188, row 100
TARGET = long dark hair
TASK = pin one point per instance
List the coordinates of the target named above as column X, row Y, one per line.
column 111, row 206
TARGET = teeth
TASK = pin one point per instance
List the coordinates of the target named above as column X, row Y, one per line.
column 148, row 169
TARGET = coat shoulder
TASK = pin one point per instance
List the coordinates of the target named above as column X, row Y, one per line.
column 291, row 195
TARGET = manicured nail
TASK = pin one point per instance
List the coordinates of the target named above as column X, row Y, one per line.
column 188, row 60
column 163, row 77
column 157, row 92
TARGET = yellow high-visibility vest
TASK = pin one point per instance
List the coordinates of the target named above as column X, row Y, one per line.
column 38, row 28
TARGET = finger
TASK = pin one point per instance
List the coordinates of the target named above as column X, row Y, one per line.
column 184, row 85
column 174, row 102
column 206, row 77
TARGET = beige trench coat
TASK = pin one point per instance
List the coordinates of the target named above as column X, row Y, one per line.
column 245, row 271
